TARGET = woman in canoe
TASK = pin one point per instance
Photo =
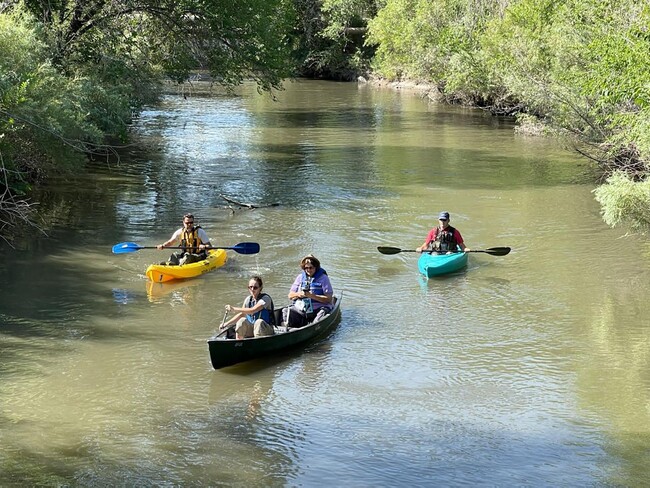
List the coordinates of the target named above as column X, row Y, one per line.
column 443, row 238
column 255, row 317
column 193, row 241
column 311, row 293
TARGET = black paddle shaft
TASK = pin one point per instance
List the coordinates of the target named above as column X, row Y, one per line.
column 494, row 251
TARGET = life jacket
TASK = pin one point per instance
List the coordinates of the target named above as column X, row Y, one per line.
column 314, row 286
column 190, row 240
column 445, row 240
column 265, row 314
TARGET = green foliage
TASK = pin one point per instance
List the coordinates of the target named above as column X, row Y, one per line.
column 616, row 75
column 330, row 37
column 583, row 67
column 399, row 45
column 39, row 107
column 625, row 201
column 73, row 73
column 436, row 40
column 233, row 40
column 343, row 14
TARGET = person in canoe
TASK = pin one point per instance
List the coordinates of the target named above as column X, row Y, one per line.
column 443, row 238
column 255, row 317
column 311, row 293
column 193, row 242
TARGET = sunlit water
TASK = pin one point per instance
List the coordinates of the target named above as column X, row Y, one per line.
column 524, row 370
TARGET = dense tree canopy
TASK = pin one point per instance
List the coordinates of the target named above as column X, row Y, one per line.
column 330, row 37
column 233, row 40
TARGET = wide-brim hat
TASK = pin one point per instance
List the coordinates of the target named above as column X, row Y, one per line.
column 310, row 257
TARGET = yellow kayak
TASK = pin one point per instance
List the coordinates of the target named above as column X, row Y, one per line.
column 160, row 273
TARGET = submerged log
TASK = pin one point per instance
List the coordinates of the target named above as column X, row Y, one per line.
column 248, row 205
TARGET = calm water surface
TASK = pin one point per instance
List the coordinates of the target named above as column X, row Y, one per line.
column 529, row 369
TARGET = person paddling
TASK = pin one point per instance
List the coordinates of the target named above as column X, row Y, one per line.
column 255, row 318
column 194, row 243
column 443, row 238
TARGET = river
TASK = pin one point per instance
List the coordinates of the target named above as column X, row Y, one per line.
column 529, row 369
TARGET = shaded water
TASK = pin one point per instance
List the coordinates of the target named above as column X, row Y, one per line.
column 529, row 369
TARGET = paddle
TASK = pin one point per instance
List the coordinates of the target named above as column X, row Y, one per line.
column 223, row 321
column 224, row 331
column 494, row 251
column 241, row 248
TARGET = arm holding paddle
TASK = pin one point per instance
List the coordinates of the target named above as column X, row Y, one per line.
column 255, row 317
column 171, row 242
column 233, row 320
column 423, row 248
column 242, row 311
column 188, row 227
column 444, row 238
column 194, row 242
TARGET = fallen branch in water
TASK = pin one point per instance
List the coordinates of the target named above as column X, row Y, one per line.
column 248, row 205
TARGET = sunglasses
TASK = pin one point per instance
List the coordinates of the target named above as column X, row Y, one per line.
column 253, row 287
column 189, row 222
column 310, row 267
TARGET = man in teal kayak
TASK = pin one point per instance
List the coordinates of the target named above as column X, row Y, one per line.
column 194, row 243
column 443, row 238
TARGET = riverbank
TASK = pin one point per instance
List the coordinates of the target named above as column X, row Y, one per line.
column 424, row 89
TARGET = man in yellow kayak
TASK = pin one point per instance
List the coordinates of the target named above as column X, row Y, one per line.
column 192, row 241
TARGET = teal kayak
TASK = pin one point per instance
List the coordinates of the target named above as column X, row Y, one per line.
column 432, row 264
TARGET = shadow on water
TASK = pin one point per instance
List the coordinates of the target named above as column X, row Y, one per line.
column 55, row 295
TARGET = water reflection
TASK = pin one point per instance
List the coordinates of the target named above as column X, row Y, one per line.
column 173, row 291
column 240, row 397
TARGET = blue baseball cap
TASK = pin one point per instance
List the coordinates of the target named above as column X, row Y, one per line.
column 443, row 216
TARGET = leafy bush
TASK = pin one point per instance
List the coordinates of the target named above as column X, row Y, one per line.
column 44, row 114
column 625, row 201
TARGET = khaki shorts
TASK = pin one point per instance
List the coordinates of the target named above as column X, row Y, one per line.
column 260, row 328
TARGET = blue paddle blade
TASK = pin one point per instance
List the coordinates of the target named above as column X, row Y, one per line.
column 124, row 247
column 246, row 248
column 241, row 248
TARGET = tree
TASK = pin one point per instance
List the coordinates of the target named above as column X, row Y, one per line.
column 330, row 37
column 232, row 40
